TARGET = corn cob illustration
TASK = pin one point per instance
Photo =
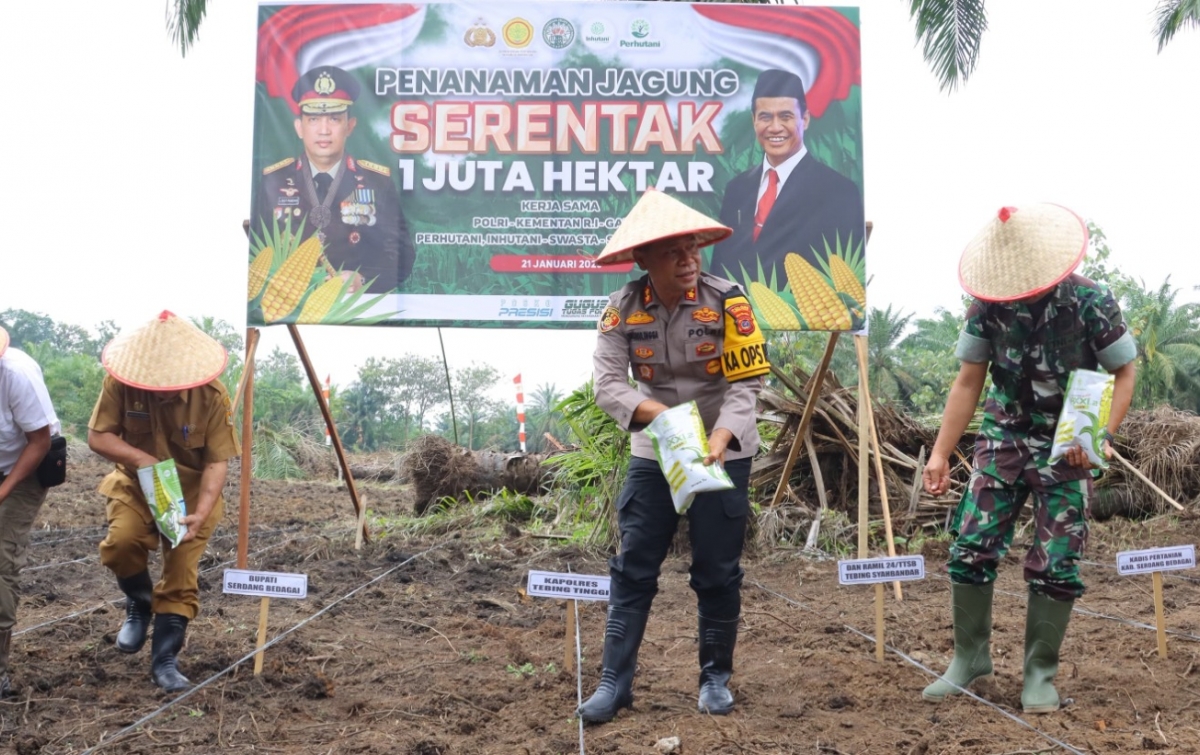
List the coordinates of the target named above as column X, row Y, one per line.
column 289, row 283
column 259, row 269
column 319, row 302
column 817, row 302
column 1066, row 431
column 844, row 279
column 775, row 311
column 1106, row 396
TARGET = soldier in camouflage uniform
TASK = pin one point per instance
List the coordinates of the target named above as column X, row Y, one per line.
column 1033, row 321
column 686, row 336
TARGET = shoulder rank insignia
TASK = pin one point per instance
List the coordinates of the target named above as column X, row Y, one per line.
column 382, row 170
column 281, row 164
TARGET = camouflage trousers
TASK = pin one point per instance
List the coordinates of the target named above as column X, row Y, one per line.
column 987, row 516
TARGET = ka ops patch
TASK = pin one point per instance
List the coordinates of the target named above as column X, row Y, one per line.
column 745, row 354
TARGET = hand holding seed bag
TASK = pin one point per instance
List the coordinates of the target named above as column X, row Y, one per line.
column 1084, row 417
column 681, row 447
column 164, row 494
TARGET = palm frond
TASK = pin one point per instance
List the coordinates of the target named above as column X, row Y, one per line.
column 951, row 32
column 183, row 22
column 1173, row 15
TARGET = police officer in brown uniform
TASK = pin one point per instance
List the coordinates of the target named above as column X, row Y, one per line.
column 686, row 336
column 352, row 205
column 161, row 400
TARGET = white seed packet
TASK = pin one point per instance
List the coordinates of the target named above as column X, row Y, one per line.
column 164, row 494
column 1084, row 417
column 681, row 444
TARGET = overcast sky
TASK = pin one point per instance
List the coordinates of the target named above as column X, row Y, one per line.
column 127, row 170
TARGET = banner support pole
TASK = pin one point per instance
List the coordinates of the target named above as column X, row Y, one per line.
column 246, row 394
column 333, row 433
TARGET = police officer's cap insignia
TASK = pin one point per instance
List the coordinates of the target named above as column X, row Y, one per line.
column 376, row 167
column 609, row 319
column 479, row 35
column 324, row 84
column 705, row 314
column 281, row 164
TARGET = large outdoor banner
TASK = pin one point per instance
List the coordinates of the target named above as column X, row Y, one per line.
column 462, row 163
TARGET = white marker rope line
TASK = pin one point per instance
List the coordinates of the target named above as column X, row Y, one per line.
column 248, row 656
column 578, row 675
column 114, row 601
column 931, row 672
column 57, row 563
column 1097, row 615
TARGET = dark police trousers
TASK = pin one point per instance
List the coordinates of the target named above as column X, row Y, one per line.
column 716, row 526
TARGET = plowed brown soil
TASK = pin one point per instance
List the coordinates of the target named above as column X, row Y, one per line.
column 443, row 655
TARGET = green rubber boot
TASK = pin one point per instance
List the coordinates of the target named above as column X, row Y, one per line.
column 1045, row 627
column 971, row 606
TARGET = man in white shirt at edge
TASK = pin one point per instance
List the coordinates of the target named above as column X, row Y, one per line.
column 27, row 422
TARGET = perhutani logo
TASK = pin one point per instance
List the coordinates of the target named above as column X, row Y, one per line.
column 597, row 34
column 639, row 29
column 558, row 33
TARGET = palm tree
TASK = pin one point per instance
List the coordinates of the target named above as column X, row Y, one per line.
column 183, row 22
column 951, row 32
column 887, row 373
column 1168, row 347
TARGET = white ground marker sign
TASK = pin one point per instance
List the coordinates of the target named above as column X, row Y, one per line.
column 265, row 585
column 1156, row 561
column 876, row 571
column 568, row 587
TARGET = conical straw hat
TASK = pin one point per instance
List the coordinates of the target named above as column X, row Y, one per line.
column 655, row 217
column 1023, row 252
column 3, row 341
column 166, row 354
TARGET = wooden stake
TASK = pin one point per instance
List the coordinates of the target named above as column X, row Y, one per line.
column 246, row 394
column 879, row 621
column 1159, row 617
column 333, row 433
column 864, row 396
column 362, row 525
column 810, row 406
column 864, row 455
column 569, row 651
column 1138, row 473
column 263, row 609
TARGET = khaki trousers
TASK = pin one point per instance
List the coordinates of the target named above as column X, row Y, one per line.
column 16, row 519
column 132, row 535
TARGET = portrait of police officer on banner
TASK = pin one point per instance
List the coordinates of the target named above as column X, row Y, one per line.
column 351, row 205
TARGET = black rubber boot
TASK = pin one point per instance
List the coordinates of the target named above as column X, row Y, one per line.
column 169, row 631
column 622, row 638
column 717, row 639
column 138, row 591
column 5, row 647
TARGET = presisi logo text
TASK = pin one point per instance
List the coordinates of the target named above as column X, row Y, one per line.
column 526, row 311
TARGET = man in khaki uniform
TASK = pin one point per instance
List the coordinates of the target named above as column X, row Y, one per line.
column 27, row 423
column 686, row 336
column 161, row 400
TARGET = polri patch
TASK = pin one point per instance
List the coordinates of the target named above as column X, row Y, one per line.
column 609, row 319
